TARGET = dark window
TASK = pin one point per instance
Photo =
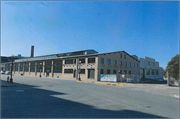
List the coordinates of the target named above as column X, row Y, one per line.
column 57, row 66
column 91, row 60
column 102, row 60
column 101, row 71
column 108, row 61
column 74, row 61
column 148, row 72
column 124, row 56
column 70, row 61
column 152, row 72
column 114, row 62
column 137, row 65
column 120, row 71
column 120, row 63
column 114, row 71
column 16, row 66
column 68, row 70
column 156, row 72
column 82, row 71
column 32, row 67
column 21, row 66
column 120, row 55
column 39, row 66
column 125, row 72
column 129, row 72
column 129, row 64
column 125, row 63
column 82, row 60
column 48, row 65
column 26, row 67
column 108, row 71
column 133, row 64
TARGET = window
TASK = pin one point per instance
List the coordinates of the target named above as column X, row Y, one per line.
column 137, row 65
column 124, row 56
column 152, row 63
column 108, row 61
column 32, row 67
column 120, row 63
column 82, row 60
column 129, row 72
column 108, row 71
column 101, row 71
column 147, row 63
column 125, row 72
column 152, row 72
column 74, row 61
column 120, row 71
column 21, row 66
column 114, row 62
column 57, row 66
column 69, row 61
column 102, row 60
column 133, row 64
column 82, row 71
column 16, row 67
column 121, row 56
column 148, row 72
column 129, row 64
column 125, row 63
column 39, row 66
column 48, row 65
column 26, row 67
column 68, row 70
column 156, row 72
column 114, row 71
column 91, row 60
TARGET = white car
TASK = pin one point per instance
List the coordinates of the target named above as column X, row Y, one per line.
column 8, row 73
column 2, row 72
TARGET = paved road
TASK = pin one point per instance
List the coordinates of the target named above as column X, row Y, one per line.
column 33, row 97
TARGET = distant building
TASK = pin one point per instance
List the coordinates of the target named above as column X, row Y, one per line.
column 90, row 63
column 149, row 68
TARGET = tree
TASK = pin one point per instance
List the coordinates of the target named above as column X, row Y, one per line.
column 173, row 67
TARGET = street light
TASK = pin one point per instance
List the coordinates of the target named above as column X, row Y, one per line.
column 11, row 79
column 79, row 70
column 40, row 69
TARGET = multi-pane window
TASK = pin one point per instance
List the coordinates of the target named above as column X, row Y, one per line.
column 129, row 64
column 101, row 71
column 120, row 55
column 148, row 72
column 16, row 66
column 82, row 60
column 108, row 71
column 39, row 66
column 57, row 66
column 26, row 67
column 125, row 72
column 91, row 60
column 82, row 71
column 120, row 63
column 114, row 71
column 21, row 66
column 69, row 61
column 32, row 67
column 68, row 70
column 108, row 61
column 152, row 72
column 147, row 63
column 124, row 56
column 115, row 62
column 125, row 63
column 48, row 65
column 129, row 72
column 102, row 60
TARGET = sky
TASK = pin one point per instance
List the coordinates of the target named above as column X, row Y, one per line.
column 139, row 28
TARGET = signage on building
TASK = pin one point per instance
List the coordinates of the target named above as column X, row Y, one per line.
column 108, row 77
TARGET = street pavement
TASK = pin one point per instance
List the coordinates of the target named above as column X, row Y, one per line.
column 34, row 97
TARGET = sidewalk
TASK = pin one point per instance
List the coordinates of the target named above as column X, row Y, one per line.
column 8, row 84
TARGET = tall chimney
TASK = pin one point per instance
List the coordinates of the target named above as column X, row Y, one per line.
column 32, row 51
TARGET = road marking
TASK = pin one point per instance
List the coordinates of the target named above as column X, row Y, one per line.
column 175, row 96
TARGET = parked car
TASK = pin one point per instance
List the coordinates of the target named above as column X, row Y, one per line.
column 133, row 80
column 2, row 72
column 7, row 72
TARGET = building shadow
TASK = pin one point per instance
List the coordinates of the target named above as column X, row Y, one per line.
column 27, row 101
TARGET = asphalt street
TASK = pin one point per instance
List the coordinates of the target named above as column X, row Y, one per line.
column 34, row 97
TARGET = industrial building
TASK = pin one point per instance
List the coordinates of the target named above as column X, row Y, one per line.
column 86, row 64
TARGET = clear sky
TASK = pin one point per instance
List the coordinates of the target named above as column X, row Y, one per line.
column 142, row 28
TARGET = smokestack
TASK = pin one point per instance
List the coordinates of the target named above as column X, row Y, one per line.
column 32, row 51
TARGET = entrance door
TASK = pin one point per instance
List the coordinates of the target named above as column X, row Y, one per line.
column 47, row 73
column 74, row 75
column 91, row 73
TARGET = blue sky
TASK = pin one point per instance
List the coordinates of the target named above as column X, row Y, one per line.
column 143, row 28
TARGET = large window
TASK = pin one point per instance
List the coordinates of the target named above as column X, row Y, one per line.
column 82, row 71
column 148, row 72
column 108, row 71
column 82, row 60
column 115, row 62
column 101, row 71
column 21, row 66
column 32, row 67
column 102, row 60
column 69, row 61
column 114, row 71
column 91, row 60
column 16, row 66
column 120, row 63
column 39, row 66
column 68, row 71
column 125, row 63
column 129, row 64
column 57, row 66
column 108, row 61
column 26, row 67
column 120, row 55
column 48, row 65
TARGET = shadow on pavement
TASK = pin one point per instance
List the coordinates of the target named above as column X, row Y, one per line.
column 30, row 102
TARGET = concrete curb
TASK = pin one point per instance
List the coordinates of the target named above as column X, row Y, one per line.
column 103, row 83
